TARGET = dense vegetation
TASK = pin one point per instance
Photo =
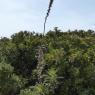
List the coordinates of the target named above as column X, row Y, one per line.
column 68, row 63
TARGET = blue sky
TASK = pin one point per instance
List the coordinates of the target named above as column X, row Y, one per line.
column 16, row 15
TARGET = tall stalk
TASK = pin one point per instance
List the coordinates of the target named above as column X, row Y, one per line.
column 47, row 14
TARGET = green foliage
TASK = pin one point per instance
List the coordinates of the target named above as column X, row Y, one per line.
column 69, row 63
column 9, row 82
column 36, row 90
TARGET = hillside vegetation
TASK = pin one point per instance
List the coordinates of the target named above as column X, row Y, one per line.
column 59, row 63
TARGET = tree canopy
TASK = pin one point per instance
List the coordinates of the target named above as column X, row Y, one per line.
column 68, row 57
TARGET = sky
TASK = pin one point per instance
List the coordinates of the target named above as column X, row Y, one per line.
column 17, row 15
